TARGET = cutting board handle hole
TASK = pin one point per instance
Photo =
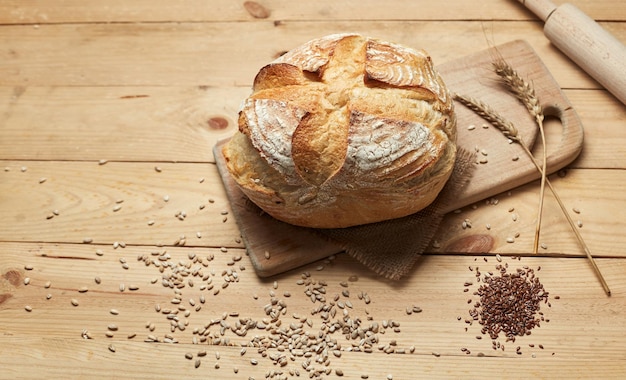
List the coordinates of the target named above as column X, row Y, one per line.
column 553, row 129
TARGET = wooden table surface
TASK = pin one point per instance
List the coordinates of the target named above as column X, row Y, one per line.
column 108, row 114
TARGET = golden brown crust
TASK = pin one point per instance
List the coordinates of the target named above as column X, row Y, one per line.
column 344, row 130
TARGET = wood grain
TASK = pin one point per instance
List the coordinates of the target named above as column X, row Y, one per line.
column 86, row 195
column 157, row 124
column 211, row 54
column 577, row 190
column 32, row 11
column 176, row 120
column 568, row 335
column 73, row 80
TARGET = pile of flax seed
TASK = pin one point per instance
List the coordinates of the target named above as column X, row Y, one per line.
column 508, row 303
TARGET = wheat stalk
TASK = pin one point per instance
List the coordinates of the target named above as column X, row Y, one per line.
column 509, row 130
column 525, row 92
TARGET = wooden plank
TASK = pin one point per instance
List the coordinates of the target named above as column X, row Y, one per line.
column 117, row 123
column 50, row 335
column 214, row 54
column 605, row 141
column 88, row 359
column 87, row 195
column 34, row 11
column 110, row 122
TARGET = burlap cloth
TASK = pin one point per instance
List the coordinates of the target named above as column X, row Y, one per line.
column 391, row 248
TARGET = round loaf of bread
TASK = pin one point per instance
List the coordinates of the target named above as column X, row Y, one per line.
column 344, row 130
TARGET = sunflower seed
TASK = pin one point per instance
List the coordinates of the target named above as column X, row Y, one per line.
column 74, row 302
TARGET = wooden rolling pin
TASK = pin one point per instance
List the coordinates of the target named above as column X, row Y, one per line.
column 585, row 42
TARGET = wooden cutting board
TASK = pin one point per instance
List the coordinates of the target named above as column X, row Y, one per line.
column 504, row 166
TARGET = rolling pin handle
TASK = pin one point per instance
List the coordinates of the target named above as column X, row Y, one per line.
column 542, row 8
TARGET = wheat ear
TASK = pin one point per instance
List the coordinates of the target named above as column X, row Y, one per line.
column 525, row 92
column 508, row 130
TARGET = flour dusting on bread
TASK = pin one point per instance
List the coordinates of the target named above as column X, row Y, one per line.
column 344, row 130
